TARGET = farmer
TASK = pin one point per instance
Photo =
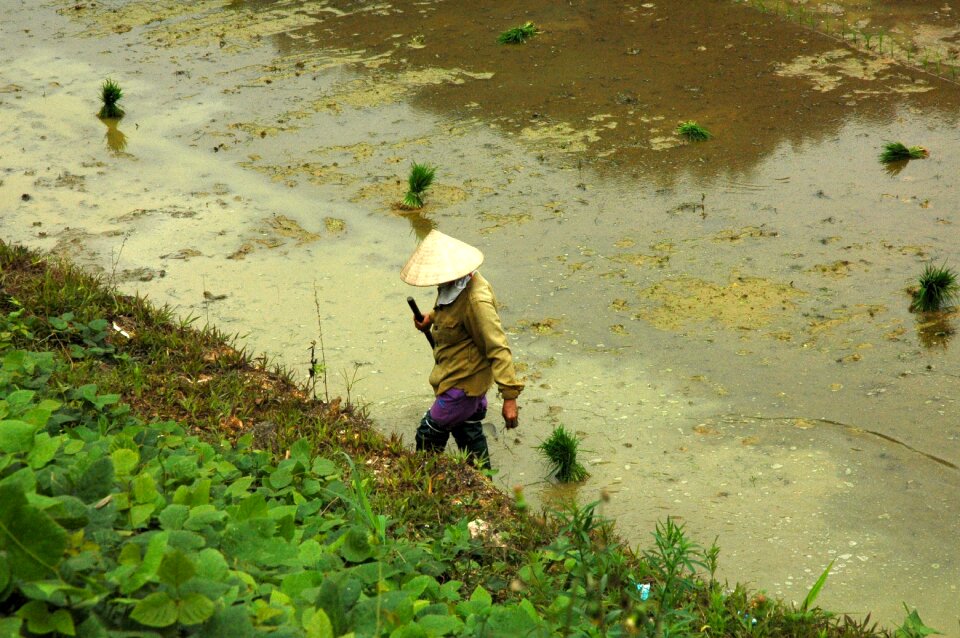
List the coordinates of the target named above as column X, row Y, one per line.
column 471, row 351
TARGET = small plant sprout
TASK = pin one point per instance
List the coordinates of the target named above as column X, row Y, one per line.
column 560, row 450
column 421, row 176
column 693, row 131
column 518, row 35
column 110, row 94
column 937, row 289
column 898, row 152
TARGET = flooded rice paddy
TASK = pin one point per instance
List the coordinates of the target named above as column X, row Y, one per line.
column 725, row 324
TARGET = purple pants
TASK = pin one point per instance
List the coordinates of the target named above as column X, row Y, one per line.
column 454, row 406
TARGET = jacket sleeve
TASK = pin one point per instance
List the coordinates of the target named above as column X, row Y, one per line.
column 483, row 323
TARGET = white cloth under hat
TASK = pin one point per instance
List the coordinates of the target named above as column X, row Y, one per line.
column 447, row 293
column 440, row 259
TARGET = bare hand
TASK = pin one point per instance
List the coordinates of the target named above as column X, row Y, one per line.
column 424, row 325
column 510, row 413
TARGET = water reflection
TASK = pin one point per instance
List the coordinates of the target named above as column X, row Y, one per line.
column 560, row 497
column 420, row 223
column 894, row 168
column 935, row 329
column 116, row 139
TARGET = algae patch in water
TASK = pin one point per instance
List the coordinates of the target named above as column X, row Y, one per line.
column 66, row 179
column 393, row 191
column 173, row 211
column 746, row 303
column 383, row 88
column 109, row 19
column 260, row 130
column 838, row 269
column 843, row 316
column 827, row 71
column 547, row 326
column 747, row 232
column 315, row 173
column 334, row 225
column 276, row 229
column 637, row 259
column 359, row 151
column 559, row 137
column 286, row 227
column 499, row 221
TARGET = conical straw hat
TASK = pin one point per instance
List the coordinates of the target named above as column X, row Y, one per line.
column 440, row 258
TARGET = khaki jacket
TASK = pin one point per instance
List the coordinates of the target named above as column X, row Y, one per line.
column 472, row 350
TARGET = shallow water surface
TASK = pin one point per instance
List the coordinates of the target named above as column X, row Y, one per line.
column 725, row 324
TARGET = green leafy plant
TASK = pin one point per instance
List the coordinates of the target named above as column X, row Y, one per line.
column 913, row 627
column 110, row 94
column 419, row 180
column 693, row 132
column 937, row 288
column 518, row 35
column 899, row 152
column 560, row 450
column 13, row 327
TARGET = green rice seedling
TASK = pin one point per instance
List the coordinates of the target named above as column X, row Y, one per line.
column 898, row 152
column 110, row 94
column 693, row 131
column 560, row 450
column 421, row 176
column 937, row 288
column 518, row 35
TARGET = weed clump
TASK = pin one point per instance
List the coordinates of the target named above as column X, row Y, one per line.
column 899, row 152
column 693, row 132
column 518, row 35
column 937, row 289
column 110, row 94
column 421, row 176
column 560, row 450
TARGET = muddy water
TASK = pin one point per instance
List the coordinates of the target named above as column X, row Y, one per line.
column 724, row 323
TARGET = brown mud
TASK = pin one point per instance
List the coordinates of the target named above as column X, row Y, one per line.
column 725, row 324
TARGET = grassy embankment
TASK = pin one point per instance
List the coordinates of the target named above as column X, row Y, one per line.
column 158, row 480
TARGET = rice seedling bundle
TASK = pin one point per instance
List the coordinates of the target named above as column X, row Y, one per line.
column 419, row 180
column 693, row 131
column 560, row 450
column 518, row 35
column 938, row 288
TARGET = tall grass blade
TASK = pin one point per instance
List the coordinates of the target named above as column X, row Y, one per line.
column 815, row 590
